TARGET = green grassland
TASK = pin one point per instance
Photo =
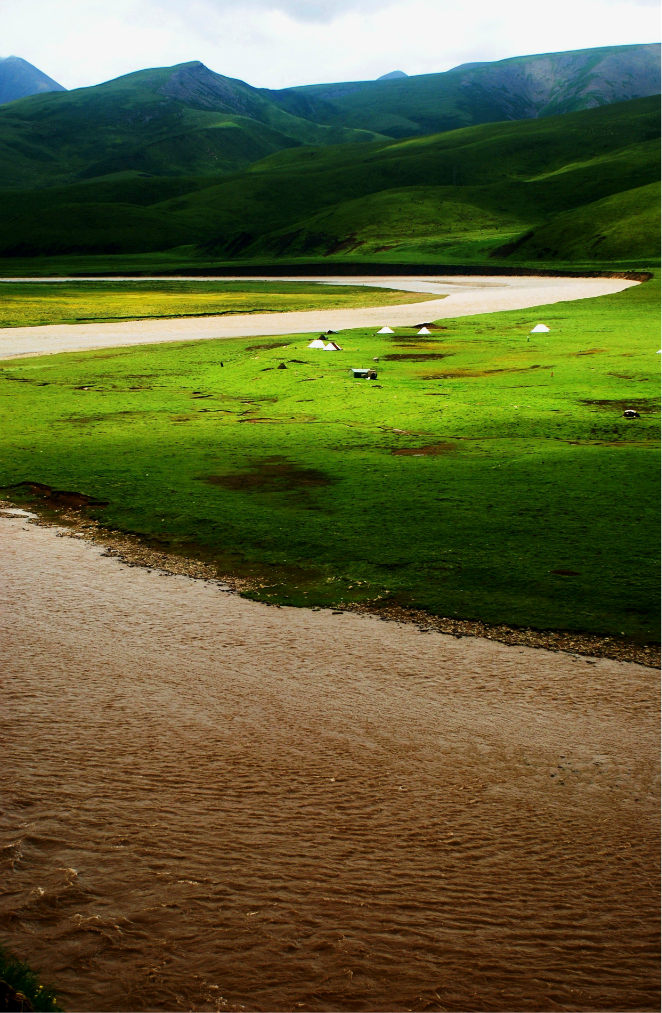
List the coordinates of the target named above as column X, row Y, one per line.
column 478, row 463
column 26, row 304
column 575, row 187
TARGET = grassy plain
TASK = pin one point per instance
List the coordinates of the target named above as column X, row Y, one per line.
column 24, row 303
column 477, row 466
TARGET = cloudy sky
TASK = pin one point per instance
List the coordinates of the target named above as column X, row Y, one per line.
column 278, row 43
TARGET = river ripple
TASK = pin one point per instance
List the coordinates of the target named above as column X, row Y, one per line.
column 211, row 804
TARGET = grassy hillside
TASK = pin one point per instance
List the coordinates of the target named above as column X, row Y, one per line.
column 465, row 195
column 406, row 220
column 486, row 474
column 614, row 228
column 169, row 121
column 96, row 228
column 462, row 193
column 188, row 120
column 519, row 88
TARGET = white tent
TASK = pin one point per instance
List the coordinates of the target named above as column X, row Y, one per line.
column 424, row 330
column 385, row 330
column 317, row 343
column 539, row 329
column 332, row 347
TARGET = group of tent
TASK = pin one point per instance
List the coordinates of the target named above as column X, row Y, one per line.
column 327, row 346
column 387, row 330
column 332, row 346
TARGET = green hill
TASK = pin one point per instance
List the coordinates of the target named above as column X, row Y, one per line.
column 166, row 121
column 462, row 193
column 429, row 196
column 519, row 88
column 187, row 120
column 494, row 190
column 619, row 227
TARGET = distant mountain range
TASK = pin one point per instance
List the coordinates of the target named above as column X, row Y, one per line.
column 525, row 87
column 18, row 79
column 552, row 157
column 188, row 120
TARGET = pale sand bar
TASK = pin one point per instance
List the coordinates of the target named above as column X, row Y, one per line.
column 464, row 296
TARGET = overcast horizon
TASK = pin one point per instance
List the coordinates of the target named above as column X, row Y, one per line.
column 284, row 43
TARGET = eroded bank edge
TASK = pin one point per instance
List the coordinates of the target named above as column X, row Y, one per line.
column 132, row 550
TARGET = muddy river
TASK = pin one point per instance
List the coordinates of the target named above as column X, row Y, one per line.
column 461, row 296
column 212, row 804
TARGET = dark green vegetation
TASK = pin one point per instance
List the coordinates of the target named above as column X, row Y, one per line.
column 577, row 187
column 18, row 78
column 167, row 121
column 187, row 120
column 21, row 978
column 24, row 303
column 485, row 474
column 622, row 224
column 520, row 88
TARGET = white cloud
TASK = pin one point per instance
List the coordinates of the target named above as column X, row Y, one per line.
column 280, row 43
column 322, row 11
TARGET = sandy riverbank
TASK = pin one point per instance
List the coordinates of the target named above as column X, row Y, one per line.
column 463, row 296
column 217, row 805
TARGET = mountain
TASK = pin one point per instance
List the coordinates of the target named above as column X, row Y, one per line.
column 19, row 78
column 167, row 121
column 183, row 157
column 393, row 76
column 187, row 120
column 523, row 87
column 580, row 186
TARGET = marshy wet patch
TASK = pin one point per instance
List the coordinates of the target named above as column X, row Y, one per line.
column 114, row 417
column 47, row 496
column 431, row 450
column 466, row 374
column 415, row 356
column 267, row 347
column 646, row 406
column 24, row 379
column 262, row 421
column 272, row 474
column 248, row 398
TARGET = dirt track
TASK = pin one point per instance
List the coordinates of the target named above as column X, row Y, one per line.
column 465, row 296
column 212, row 804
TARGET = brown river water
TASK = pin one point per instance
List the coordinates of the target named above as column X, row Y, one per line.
column 212, row 804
